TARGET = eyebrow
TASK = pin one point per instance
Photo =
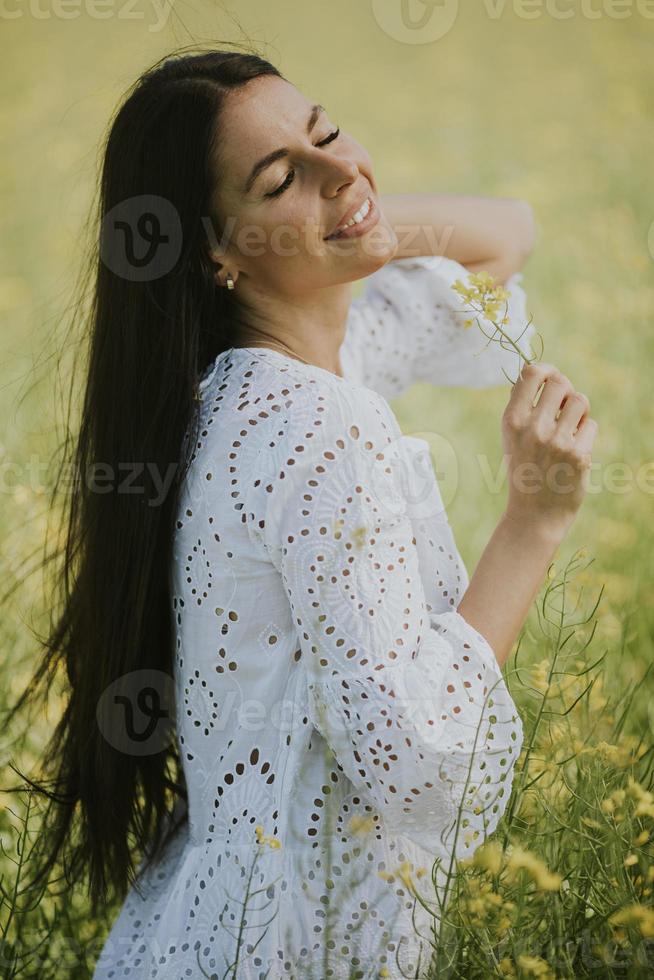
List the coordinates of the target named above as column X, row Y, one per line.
column 282, row 152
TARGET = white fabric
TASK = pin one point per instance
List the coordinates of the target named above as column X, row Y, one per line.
column 409, row 326
column 322, row 670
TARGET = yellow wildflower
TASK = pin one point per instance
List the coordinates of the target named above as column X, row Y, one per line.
column 404, row 872
column 635, row 915
column 272, row 842
column 482, row 280
column 534, row 966
column 483, row 294
column 361, row 825
column 488, row 857
column 360, row 535
column 464, row 291
column 624, row 754
column 637, row 792
column 521, row 859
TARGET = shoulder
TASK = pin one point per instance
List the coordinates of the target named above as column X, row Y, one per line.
column 328, row 413
column 294, row 402
column 282, row 396
column 336, row 436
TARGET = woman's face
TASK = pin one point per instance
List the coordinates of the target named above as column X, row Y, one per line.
column 277, row 211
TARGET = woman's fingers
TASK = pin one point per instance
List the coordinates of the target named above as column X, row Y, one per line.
column 585, row 437
column 576, row 408
column 556, row 388
column 524, row 391
column 556, row 433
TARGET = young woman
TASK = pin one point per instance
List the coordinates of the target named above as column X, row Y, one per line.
column 283, row 685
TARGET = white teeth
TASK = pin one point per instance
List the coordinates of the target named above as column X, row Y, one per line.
column 359, row 216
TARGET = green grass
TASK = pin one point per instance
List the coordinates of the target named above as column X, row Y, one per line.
column 556, row 111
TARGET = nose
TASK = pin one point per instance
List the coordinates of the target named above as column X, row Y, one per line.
column 339, row 173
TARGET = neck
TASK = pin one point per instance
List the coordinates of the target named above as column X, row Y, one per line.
column 313, row 328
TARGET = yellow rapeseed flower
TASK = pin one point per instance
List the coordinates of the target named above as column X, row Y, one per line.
column 622, row 755
column 540, row 675
column 483, row 280
column 464, row 291
column 521, row 859
column 635, row 915
column 404, row 871
column 361, row 825
column 483, row 294
column 272, row 842
column 360, row 536
column 534, row 966
column 506, row 968
column 489, row 857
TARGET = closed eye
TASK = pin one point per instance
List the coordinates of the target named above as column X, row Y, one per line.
column 291, row 174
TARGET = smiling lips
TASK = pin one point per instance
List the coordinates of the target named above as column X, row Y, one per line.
column 357, row 218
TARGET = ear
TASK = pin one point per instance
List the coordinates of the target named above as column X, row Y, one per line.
column 212, row 253
column 217, row 259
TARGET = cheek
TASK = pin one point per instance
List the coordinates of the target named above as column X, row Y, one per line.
column 283, row 251
column 296, row 235
column 361, row 155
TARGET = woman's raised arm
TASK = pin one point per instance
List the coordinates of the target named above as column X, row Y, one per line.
column 495, row 234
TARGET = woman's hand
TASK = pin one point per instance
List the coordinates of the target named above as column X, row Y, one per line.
column 548, row 458
column 548, row 454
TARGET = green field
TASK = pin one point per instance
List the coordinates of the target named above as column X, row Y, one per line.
column 557, row 110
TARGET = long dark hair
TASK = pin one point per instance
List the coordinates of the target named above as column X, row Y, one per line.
column 152, row 328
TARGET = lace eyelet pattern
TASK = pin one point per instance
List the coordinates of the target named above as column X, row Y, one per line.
column 327, row 689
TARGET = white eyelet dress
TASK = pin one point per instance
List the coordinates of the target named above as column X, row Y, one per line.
column 328, row 692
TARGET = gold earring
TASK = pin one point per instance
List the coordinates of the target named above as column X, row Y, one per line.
column 230, row 281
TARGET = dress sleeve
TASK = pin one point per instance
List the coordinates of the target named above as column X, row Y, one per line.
column 412, row 703
column 409, row 326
